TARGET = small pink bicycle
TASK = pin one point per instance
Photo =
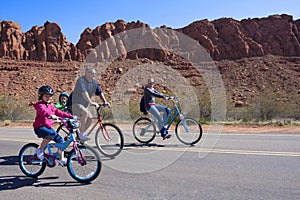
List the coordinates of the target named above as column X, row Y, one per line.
column 83, row 162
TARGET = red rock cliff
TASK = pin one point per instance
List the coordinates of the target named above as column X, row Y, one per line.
column 225, row 38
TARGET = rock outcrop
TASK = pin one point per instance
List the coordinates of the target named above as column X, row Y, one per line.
column 224, row 38
column 11, row 38
column 227, row 38
column 45, row 43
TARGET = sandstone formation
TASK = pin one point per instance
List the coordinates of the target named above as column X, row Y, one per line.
column 46, row 43
column 227, row 38
column 224, row 38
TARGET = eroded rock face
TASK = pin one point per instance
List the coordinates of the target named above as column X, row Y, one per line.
column 45, row 43
column 224, row 38
column 227, row 38
column 11, row 38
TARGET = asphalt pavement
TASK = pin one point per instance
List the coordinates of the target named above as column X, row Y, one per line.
column 238, row 166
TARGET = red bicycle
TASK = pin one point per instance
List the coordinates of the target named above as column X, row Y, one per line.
column 108, row 137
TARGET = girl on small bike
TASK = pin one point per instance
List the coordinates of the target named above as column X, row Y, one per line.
column 45, row 113
column 149, row 100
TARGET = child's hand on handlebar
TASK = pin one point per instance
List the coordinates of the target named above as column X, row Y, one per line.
column 53, row 117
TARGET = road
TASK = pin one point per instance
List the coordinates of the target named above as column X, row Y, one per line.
column 240, row 166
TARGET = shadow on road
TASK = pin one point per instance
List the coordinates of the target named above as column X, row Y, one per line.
column 143, row 145
column 15, row 182
column 9, row 160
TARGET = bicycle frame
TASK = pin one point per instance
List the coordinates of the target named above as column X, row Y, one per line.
column 104, row 132
column 177, row 113
column 63, row 146
column 168, row 121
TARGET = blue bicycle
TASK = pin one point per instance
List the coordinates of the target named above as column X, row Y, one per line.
column 187, row 130
column 83, row 162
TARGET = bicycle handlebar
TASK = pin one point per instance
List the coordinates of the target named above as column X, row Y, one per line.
column 103, row 105
column 173, row 98
column 71, row 123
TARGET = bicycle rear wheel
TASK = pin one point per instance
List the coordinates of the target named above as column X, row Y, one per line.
column 188, row 132
column 86, row 167
column 109, row 140
column 144, row 130
column 29, row 164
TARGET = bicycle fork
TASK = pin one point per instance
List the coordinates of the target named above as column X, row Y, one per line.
column 78, row 152
column 105, row 133
column 183, row 121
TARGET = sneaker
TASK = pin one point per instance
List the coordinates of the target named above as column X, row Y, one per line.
column 164, row 133
column 62, row 162
column 40, row 154
column 83, row 137
column 166, row 137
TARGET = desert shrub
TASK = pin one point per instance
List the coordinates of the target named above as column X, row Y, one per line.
column 205, row 106
column 14, row 109
column 266, row 107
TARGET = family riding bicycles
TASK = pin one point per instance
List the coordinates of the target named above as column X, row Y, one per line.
column 81, row 160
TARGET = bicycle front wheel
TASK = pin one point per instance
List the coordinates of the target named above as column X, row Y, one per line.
column 188, row 131
column 144, row 130
column 29, row 164
column 109, row 140
column 84, row 165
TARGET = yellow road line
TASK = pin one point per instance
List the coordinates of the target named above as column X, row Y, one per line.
column 227, row 151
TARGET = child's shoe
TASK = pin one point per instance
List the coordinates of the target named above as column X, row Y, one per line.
column 83, row 137
column 40, row 154
column 62, row 162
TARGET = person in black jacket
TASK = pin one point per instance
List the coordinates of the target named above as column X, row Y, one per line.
column 149, row 100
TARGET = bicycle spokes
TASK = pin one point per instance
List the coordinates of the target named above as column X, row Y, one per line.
column 112, row 141
column 84, row 168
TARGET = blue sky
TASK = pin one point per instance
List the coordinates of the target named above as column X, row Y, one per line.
column 74, row 16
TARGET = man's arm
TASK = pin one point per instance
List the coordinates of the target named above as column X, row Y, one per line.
column 101, row 95
column 103, row 98
column 86, row 97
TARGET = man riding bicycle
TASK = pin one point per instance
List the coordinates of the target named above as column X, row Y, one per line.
column 85, row 87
